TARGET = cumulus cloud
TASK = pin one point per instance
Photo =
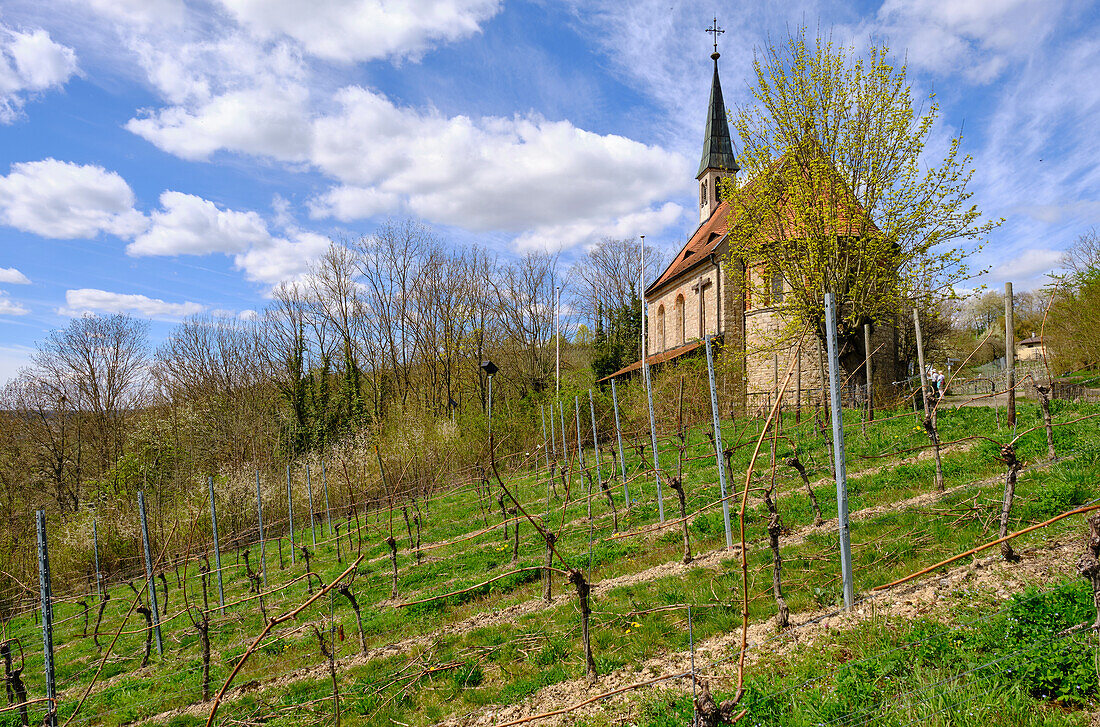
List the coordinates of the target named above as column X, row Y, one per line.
column 13, row 276
column 92, row 300
column 264, row 121
column 482, row 174
column 30, row 61
column 557, row 237
column 357, row 30
column 63, row 200
column 9, row 307
column 282, row 259
column 190, row 225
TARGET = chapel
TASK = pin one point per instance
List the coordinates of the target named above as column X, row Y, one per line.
column 704, row 293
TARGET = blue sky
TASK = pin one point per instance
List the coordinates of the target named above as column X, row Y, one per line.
column 169, row 157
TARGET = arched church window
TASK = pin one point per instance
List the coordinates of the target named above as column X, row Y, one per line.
column 703, row 193
column 661, row 328
column 678, row 333
column 717, row 181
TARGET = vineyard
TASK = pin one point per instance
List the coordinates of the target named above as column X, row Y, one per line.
column 545, row 588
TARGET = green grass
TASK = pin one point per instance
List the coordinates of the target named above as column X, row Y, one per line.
column 502, row 664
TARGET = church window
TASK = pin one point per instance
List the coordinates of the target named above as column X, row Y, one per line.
column 678, row 332
column 661, row 328
column 703, row 194
column 777, row 288
column 716, row 183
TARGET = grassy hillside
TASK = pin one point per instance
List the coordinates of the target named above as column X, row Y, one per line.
column 491, row 648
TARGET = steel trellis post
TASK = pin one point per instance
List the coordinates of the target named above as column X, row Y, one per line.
column 619, row 436
column 838, row 450
column 149, row 574
column 718, row 452
column 46, row 592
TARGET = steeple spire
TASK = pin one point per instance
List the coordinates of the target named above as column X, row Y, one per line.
column 717, row 147
column 718, row 161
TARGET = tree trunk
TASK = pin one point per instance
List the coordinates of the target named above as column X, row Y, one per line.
column 674, row 483
column 515, row 541
column 611, row 500
column 99, row 618
column 783, row 614
column 934, row 435
column 13, row 681
column 144, row 611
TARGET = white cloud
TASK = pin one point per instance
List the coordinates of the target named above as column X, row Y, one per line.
column 482, row 174
column 356, row 30
column 63, row 200
column 267, row 120
column 9, row 307
column 13, row 276
column 141, row 12
column 91, row 300
column 1028, row 265
column 190, row 225
column 282, row 259
column 29, row 62
column 649, row 222
column 248, row 315
column 977, row 39
column 347, row 203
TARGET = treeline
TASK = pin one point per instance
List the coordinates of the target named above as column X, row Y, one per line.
column 380, row 344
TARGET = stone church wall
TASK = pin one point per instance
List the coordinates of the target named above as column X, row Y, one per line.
column 668, row 298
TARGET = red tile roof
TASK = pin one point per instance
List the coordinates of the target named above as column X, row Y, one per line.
column 702, row 243
column 656, row 359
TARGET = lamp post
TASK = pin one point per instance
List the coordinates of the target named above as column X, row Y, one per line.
column 490, row 368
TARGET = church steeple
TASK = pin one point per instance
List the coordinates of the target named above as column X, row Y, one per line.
column 718, row 160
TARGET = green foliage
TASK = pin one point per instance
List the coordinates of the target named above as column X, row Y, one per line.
column 468, row 675
column 838, row 200
column 1049, row 665
column 617, row 345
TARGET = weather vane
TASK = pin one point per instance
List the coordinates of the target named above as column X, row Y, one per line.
column 716, row 31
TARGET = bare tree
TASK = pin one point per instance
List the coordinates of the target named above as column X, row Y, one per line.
column 98, row 366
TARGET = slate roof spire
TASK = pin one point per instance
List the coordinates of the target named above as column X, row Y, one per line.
column 717, row 146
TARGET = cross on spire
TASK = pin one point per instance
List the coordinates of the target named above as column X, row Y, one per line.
column 715, row 31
